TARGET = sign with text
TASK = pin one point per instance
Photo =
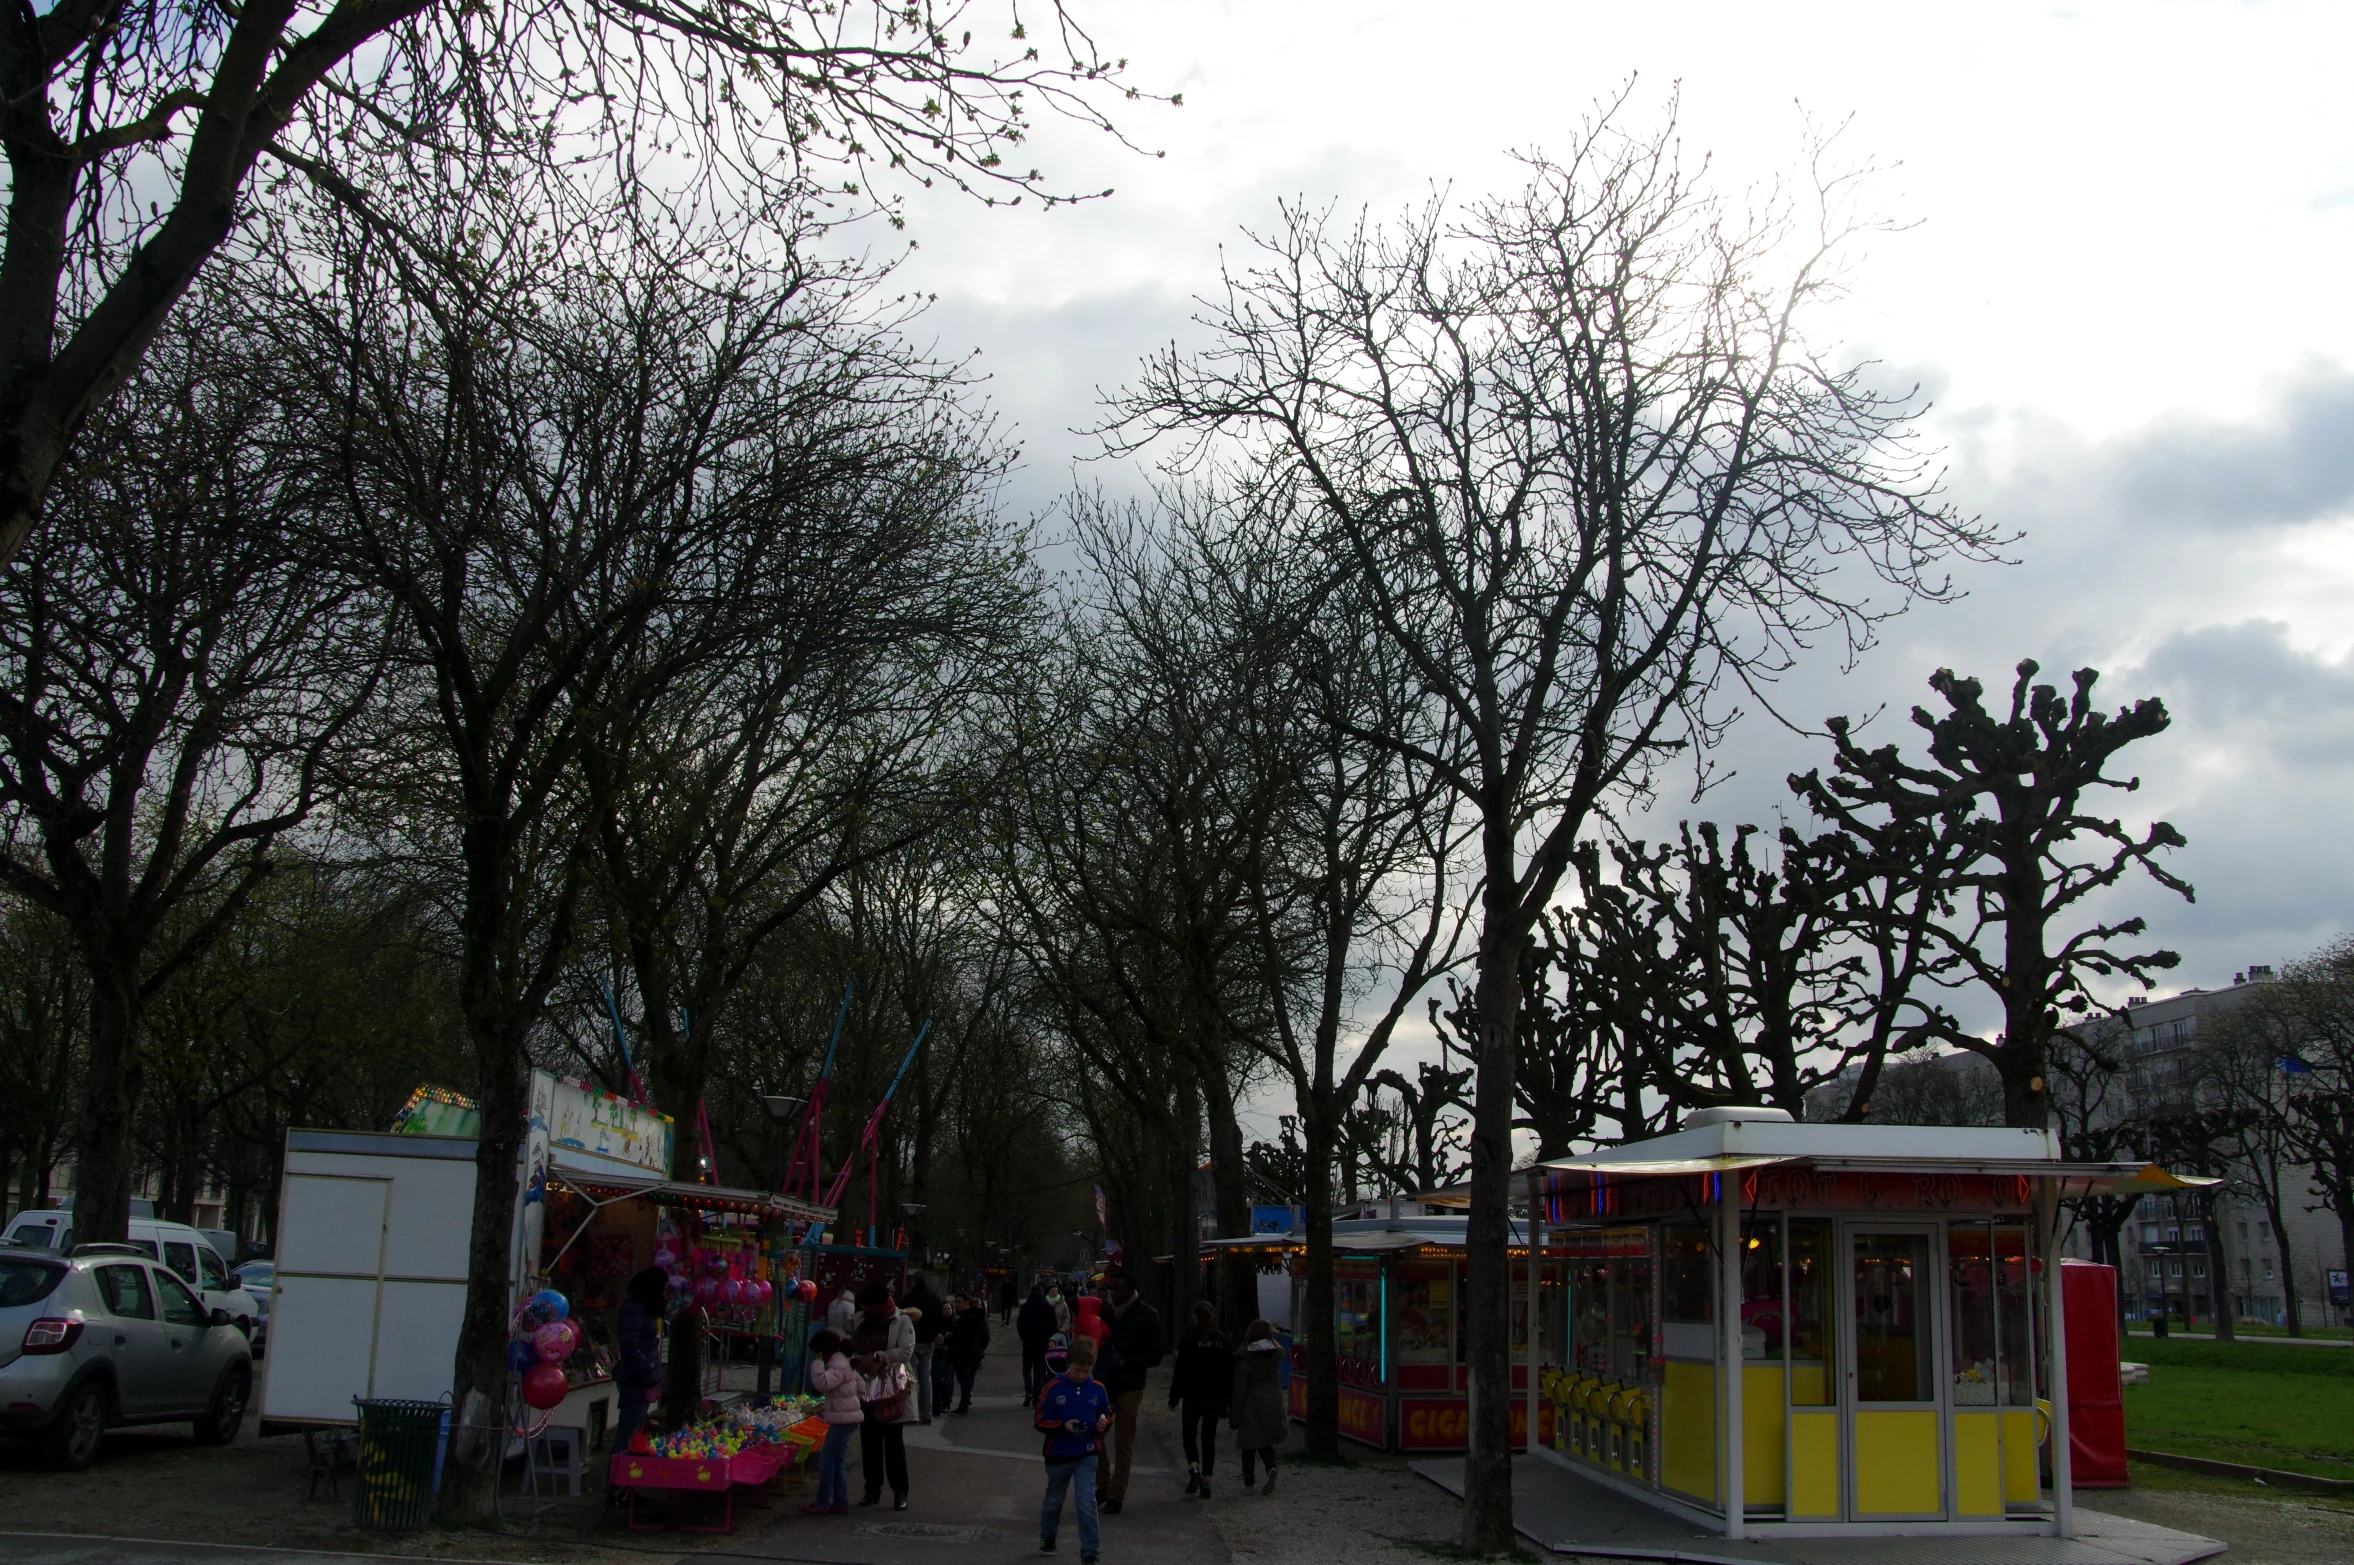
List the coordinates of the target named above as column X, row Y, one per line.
column 1444, row 1423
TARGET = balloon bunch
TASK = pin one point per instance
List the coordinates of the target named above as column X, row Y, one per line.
column 544, row 1336
column 715, row 1279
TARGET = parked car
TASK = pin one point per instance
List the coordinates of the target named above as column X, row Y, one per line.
column 105, row 1337
column 177, row 1245
column 260, row 1280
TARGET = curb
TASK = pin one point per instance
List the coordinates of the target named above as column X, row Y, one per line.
column 2264, row 1475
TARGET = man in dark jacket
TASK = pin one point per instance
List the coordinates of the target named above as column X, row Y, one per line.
column 1131, row 1349
column 968, row 1339
column 1036, row 1328
column 637, row 1372
column 930, row 1318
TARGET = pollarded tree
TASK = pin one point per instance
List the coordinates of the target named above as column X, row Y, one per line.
column 2003, row 803
column 1575, row 446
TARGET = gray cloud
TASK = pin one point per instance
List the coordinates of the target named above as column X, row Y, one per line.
column 2292, row 464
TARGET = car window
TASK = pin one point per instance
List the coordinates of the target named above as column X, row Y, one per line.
column 43, row 1235
column 208, row 1266
column 180, row 1258
column 179, row 1305
column 26, row 1282
column 124, row 1288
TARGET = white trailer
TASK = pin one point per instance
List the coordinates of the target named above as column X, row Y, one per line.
column 371, row 1279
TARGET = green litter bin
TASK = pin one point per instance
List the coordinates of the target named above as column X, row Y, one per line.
column 399, row 1463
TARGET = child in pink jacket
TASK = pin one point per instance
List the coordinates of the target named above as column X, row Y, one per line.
column 831, row 1377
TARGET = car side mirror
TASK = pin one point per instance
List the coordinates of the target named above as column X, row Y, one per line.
column 221, row 1317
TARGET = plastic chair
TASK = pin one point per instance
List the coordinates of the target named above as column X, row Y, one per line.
column 561, row 1453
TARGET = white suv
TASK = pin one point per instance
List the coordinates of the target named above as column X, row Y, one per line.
column 177, row 1245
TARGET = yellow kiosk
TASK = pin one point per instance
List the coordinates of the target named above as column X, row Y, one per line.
column 1889, row 1308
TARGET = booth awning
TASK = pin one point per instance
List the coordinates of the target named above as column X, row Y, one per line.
column 602, row 1185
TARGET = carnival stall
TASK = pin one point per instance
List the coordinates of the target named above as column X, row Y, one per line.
column 1398, row 1288
column 1876, row 1356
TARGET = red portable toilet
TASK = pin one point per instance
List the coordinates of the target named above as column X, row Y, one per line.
column 2096, row 1393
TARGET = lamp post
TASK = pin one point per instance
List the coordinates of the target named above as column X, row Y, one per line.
column 782, row 1110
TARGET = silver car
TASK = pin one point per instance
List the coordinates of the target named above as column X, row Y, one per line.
column 105, row 1337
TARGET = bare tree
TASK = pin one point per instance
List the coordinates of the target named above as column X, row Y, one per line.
column 112, row 104
column 538, row 453
column 821, row 706
column 2312, row 1006
column 175, row 669
column 1574, row 444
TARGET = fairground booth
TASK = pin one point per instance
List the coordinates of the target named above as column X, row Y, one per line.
column 1398, row 1325
column 1884, row 1293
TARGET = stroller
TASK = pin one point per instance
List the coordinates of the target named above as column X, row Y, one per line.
column 1058, row 1353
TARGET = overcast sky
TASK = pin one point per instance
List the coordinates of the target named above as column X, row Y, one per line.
column 2126, row 285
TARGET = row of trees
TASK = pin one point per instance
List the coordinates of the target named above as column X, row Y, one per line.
column 537, row 600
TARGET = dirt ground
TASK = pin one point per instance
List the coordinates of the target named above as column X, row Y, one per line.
column 159, row 1483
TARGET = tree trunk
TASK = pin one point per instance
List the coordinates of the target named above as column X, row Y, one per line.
column 2288, row 1267
column 1237, row 1276
column 110, row 1101
column 1487, row 1466
column 479, row 1385
column 2219, row 1275
column 1323, row 1367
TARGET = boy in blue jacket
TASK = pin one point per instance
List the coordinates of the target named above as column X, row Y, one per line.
column 1073, row 1412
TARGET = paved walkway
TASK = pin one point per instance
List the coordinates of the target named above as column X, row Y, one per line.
column 1564, row 1513
column 974, row 1486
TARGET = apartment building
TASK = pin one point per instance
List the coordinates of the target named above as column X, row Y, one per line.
column 2167, row 1262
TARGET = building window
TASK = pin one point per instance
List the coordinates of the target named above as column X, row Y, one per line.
column 2198, row 1267
column 2196, row 1233
column 2174, row 1268
column 2149, row 1233
column 2268, row 1268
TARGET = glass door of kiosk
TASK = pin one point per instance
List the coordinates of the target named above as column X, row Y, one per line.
column 1891, row 1320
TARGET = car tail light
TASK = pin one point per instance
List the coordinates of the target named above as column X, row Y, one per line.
column 52, row 1334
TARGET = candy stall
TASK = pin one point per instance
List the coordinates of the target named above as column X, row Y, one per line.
column 1775, row 1328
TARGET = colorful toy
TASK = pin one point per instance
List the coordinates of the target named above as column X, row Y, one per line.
column 553, row 1342
column 543, row 1386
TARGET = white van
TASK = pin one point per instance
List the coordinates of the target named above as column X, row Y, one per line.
column 177, row 1245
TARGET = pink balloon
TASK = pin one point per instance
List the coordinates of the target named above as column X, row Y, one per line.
column 553, row 1342
column 761, row 1290
column 807, row 1290
column 666, row 1257
column 543, row 1386
column 707, row 1290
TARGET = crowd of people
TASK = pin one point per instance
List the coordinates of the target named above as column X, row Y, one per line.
column 884, row 1361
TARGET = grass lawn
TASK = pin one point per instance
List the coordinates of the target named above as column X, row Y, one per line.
column 2264, row 1404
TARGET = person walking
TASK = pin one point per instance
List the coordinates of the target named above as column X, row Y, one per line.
column 880, row 1350
column 842, row 1314
column 924, row 1306
column 1256, row 1410
column 834, row 1378
column 968, row 1340
column 1134, row 1344
column 1036, row 1327
column 942, row 1390
column 1006, row 1300
column 638, row 1373
column 1199, row 1386
column 1062, row 1307
column 1073, row 1412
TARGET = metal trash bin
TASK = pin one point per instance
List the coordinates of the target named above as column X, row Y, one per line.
column 399, row 1472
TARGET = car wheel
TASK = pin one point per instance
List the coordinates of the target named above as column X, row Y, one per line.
column 71, row 1439
column 222, row 1419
